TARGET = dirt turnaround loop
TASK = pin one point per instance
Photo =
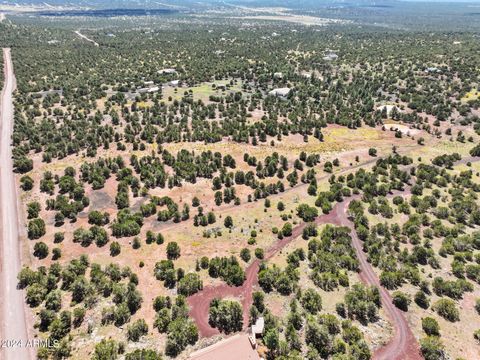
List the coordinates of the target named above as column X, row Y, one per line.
column 403, row 345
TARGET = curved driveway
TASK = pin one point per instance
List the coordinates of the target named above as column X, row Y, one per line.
column 403, row 344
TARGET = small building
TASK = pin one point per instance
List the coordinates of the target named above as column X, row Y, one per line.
column 236, row 347
column 257, row 328
column 278, row 75
column 148, row 83
column 330, row 56
column 167, row 71
column 280, row 92
column 174, row 83
column 430, row 70
column 153, row 89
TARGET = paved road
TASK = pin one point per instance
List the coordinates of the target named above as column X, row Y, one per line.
column 14, row 325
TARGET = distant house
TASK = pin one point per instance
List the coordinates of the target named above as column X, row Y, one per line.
column 174, row 83
column 167, row 71
column 148, row 83
column 278, row 75
column 153, row 89
column 330, row 56
column 430, row 70
column 280, row 92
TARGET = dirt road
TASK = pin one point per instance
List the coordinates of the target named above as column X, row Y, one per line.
column 402, row 346
column 14, row 325
column 86, row 38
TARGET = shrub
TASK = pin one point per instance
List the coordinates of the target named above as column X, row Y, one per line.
column 143, row 354
column 421, row 299
column 137, row 330
column 430, row 326
column 311, row 301
column 106, row 350
column 475, row 151
column 115, row 248
column 306, row 213
column 40, row 250
column 26, row 183
column 181, row 332
column 36, row 229
column 173, row 250
column 245, row 255
column 226, row 315
column 189, row 284
column 446, row 308
column 432, row 348
column 259, row 253
column 401, row 300
column 476, row 335
column 228, row 222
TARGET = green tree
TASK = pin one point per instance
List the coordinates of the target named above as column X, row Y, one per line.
column 446, row 308
column 401, row 300
column 432, row 348
column 136, row 330
column 226, row 315
column 307, row 213
column 430, row 326
column 228, row 222
column 106, row 350
column 36, row 229
column 143, row 354
column 311, row 301
column 189, row 284
column 40, row 250
column 173, row 250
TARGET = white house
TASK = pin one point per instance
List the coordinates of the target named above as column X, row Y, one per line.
column 167, row 71
column 256, row 329
column 281, row 92
column 153, row 89
column 330, row 56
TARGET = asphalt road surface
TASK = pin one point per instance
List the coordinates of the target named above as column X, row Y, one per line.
column 14, row 333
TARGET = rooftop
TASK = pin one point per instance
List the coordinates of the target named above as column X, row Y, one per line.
column 237, row 347
column 280, row 92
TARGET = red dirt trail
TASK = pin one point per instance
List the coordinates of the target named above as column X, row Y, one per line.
column 401, row 346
